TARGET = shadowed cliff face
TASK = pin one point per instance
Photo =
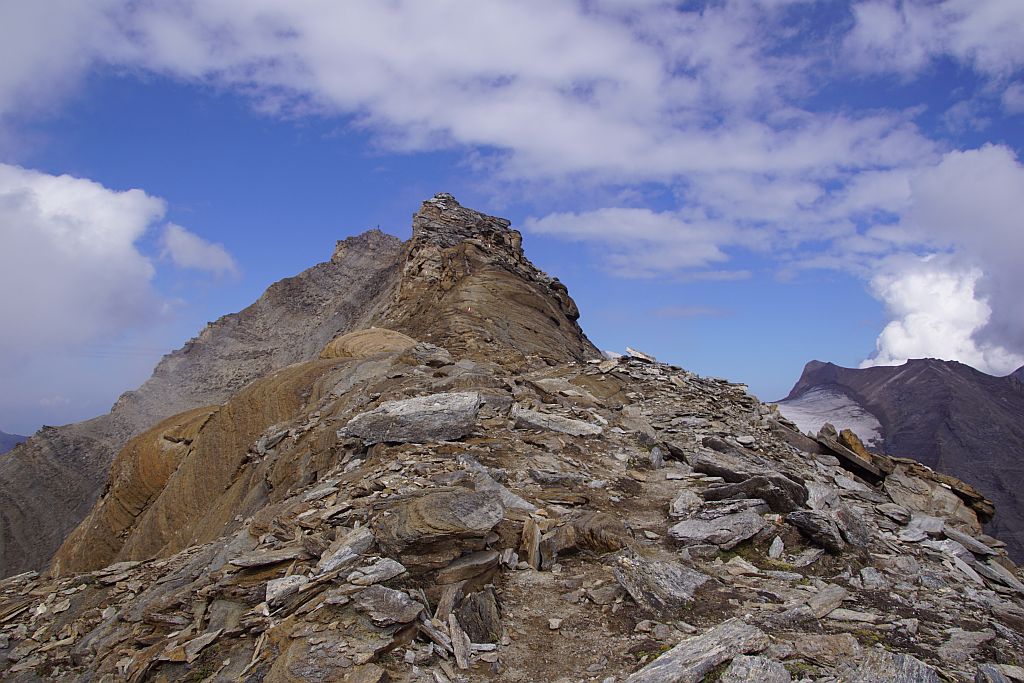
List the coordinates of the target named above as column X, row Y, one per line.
column 948, row 416
column 49, row 484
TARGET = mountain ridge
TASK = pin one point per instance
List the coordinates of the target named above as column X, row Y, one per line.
column 474, row 492
column 50, row 482
column 946, row 415
column 9, row 441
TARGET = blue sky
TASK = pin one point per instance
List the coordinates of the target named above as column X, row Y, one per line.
column 735, row 186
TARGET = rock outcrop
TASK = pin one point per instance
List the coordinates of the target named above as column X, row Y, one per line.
column 51, row 482
column 497, row 511
column 942, row 414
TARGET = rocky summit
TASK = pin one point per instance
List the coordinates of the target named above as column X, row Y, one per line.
column 453, row 484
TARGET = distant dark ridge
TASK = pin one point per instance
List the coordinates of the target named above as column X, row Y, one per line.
column 9, row 441
column 948, row 416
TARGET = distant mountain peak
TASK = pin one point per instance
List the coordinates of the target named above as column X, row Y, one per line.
column 944, row 414
column 9, row 441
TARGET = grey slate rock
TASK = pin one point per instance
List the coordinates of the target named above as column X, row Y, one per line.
column 657, row 586
column 424, row 419
column 744, row 669
column 819, row 528
column 346, row 550
column 989, row 674
column 967, row 541
column 896, row 513
column 726, row 531
column 781, row 494
column 531, row 419
column 882, row 666
column 386, row 606
column 852, row 526
column 692, row 659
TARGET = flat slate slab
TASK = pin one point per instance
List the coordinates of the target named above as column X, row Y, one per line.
column 424, row 419
column 691, row 660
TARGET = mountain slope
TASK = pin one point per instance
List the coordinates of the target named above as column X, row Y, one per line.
column 51, row 482
column 9, row 441
column 943, row 414
column 511, row 507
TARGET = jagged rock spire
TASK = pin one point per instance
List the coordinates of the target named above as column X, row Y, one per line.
column 467, row 285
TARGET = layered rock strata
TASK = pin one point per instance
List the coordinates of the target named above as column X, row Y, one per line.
column 488, row 512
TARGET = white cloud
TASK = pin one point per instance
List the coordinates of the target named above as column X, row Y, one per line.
column 550, row 88
column 1013, row 98
column 637, row 242
column 188, row 250
column 936, row 314
column 905, row 36
column 710, row 102
column 75, row 280
column 70, row 255
column 972, row 203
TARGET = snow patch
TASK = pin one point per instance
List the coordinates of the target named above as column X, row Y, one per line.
column 820, row 405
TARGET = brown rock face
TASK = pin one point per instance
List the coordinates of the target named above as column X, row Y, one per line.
column 371, row 517
column 467, row 286
column 190, row 478
column 362, row 343
column 50, row 483
column 183, row 481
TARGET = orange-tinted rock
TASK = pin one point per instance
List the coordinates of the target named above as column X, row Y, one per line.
column 362, row 343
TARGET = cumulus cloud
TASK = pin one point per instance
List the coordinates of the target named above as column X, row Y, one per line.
column 74, row 276
column 937, row 313
column 971, row 203
column 70, row 254
column 188, row 250
column 550, row 88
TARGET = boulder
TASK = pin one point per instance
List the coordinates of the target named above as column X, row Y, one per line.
column 279, row 590
column 744, row 669
column 882, row 665
column 345, row 550
column 684, row 504
column 597, row 532
column 424, row 419
column 928, row 496
column 429, row 531
column 819, row 528
column 480, row 617
column 386, row 606
column 781, row 494
column 380, row 571
column 726, row 531
column 691, row 660
column 658, row 586
column 531, row 419
column 363, row 343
